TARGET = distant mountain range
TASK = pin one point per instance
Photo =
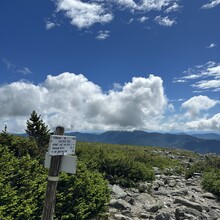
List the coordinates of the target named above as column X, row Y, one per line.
column 201, row 143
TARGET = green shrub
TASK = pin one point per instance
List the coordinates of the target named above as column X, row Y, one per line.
column 209, row 167
column 22, row 186
column 122, row 164
column 81, row 196
column 211, row 181
column 196, row 168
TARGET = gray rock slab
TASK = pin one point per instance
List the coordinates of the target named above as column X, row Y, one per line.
column 189, row 203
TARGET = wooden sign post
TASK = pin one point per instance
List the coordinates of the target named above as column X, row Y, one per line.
column 49, row 203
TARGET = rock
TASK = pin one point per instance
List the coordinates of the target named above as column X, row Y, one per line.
column 164, row 216
column 188, row 213
column 208, row 195
column 119, row 204
column 130, row 200
column 169, row 197
column 156, row 170
column 121, row 217
column 144, row 197
column 214, row 215
column 188, row 203
column 118, row 191
column 181, row 192
column 172, row 183
column 144, row 215
column 144, row 187
column 156, row 185
column 153, row 207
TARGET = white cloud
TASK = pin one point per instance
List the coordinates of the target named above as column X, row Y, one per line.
column 207, row 84
column 24, row 70
column 78, row 104
column 126, row 3
column 173, row 8
column 83, row 14
column 164, row 21
column 212, row 123
column 207, row 76
column 197, row 104
column 143, row 19
column 212, row 45
column 149, row 5
column 146, row 5
column 175, row 80
column 117, row 86
column 211, row 4
column 102, row 35
column 130, row 21
column 50, row 25
column 171, row 107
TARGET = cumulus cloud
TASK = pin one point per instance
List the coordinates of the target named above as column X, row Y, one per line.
column 102, row 35
column 212, row 123
column 211, row 4
column 78, row 104
column 197, row 104
column 84, row 14
column 164, row 21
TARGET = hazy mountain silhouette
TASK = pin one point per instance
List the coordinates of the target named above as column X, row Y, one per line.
column 205, row 144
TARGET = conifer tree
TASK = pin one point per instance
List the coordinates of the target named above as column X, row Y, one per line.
column 37, row 130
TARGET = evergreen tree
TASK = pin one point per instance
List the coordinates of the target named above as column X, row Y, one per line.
column 37, row 130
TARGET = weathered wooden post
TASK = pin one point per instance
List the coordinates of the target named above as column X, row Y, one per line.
column 49, row 203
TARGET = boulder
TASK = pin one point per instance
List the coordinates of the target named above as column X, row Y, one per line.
column 119, row 204
column 164, row 216
column 118, row 191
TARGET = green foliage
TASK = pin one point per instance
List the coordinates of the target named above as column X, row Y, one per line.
column 81, row 196
column 211, row 181
column 20, row 146
column 209, row 167
column 198, row 167
column 124, row 165
column 37, row 130
column 22, row 186
column 209, row 162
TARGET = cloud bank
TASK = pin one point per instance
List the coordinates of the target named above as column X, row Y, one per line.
column 72, row 101
column 76, row 103
column 84, row 14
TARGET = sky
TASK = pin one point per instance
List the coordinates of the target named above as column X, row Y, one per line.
column 98, row 65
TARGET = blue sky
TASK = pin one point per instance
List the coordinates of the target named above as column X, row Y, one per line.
column 111, row 65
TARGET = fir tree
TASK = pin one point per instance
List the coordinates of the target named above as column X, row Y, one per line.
column 37, row 130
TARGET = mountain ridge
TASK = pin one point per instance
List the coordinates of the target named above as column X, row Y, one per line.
column 143, row 138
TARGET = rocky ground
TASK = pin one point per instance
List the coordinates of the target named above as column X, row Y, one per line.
column 167, row 198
